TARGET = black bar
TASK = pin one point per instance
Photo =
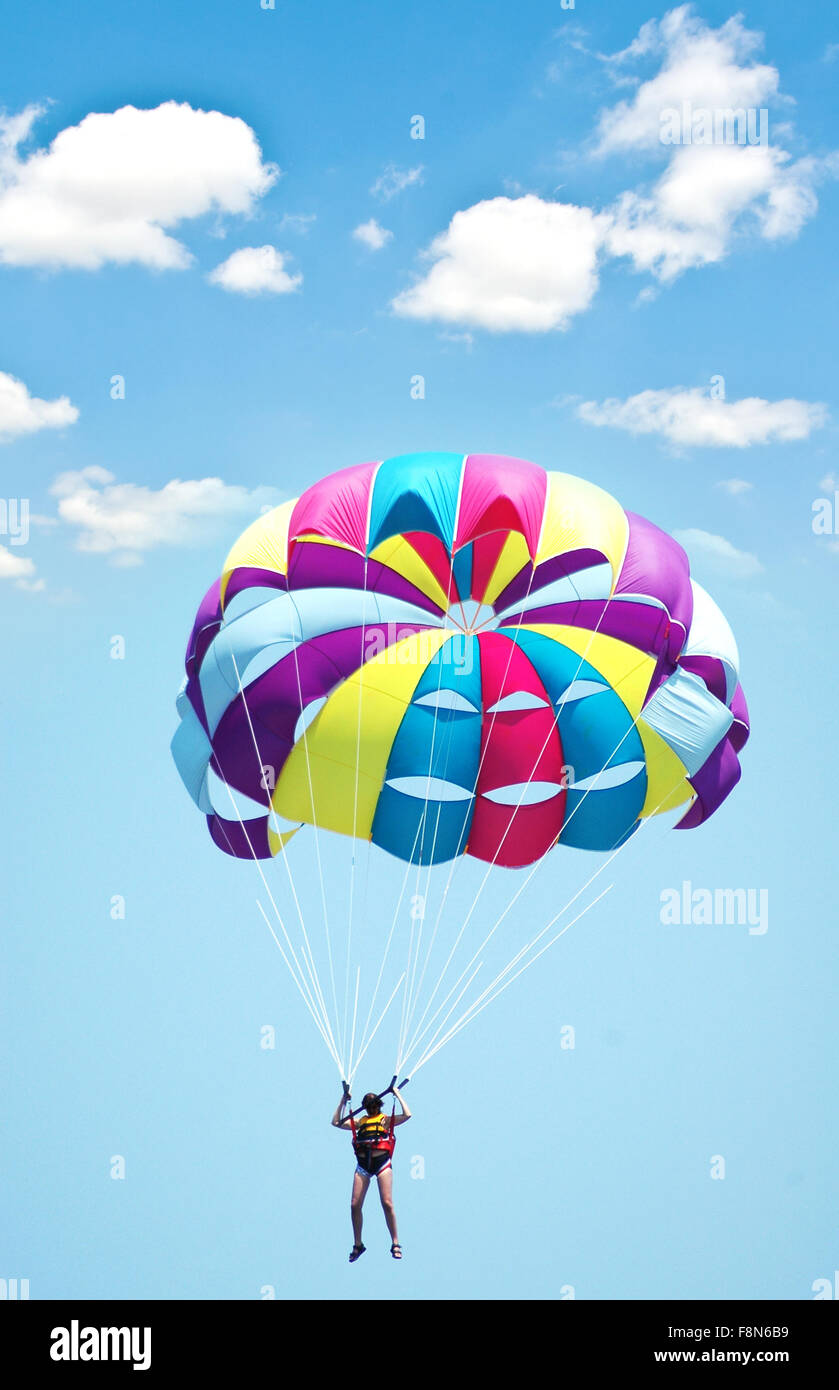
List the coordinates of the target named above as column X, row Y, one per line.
column 624, row 1338
column 381, row 1094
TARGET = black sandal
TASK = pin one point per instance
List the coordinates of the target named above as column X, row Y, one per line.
column 356, row 1251
column 394, row 1248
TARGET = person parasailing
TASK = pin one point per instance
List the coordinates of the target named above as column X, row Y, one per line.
column 373, row 1142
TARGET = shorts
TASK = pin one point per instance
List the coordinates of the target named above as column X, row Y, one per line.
column 377, row 1164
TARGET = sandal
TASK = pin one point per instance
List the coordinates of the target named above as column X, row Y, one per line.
column 356, row 1251
column 396, row 1251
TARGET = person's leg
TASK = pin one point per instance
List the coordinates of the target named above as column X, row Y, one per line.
column 386, row 1199
column 359, row 1192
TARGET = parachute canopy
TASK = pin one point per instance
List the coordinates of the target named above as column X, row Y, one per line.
column 455, row 655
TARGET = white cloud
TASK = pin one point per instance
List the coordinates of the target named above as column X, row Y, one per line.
column 719, row 554
column 646, row 41
column 394, row 180
column 689, row 416
column 20, row 570
column 124, row 520
column 371, row 235
column 255, row 270
column 105, row 189
column 829, row 483
column 705, row 197
column 691, row 214
column 707, row 190
column 509, row 264
column 14, row 566
column 21, row 413
column 707, row 68
column 735, row 487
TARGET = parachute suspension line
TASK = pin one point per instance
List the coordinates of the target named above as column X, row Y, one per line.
column 407, row 972
column 490, row 867
column 353, row 845
column 417, row 895
column 452, row 1006
column 424, row 897
column 419, row 1036
column 326, row 1028
column 317, row 844
column 307, row 951
column 348, row 1055
column 457, row 855
column 616, row 850
column 301, row 981
column 315, row 1018
column 523, row 886
column 376, row 1029
column 254, row 856
column 415, row 989
column 478, row 1007
column 538, row 862
column 309, row 954
column 387, row 943
column 368, row 854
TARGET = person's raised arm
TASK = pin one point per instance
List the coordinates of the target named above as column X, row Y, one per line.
column 339, row 1120
column 406, row 1114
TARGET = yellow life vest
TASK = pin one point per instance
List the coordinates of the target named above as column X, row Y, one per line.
column 372, row 1129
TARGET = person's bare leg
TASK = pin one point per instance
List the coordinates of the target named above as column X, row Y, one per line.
column 386, row 1199
column 359, row 1192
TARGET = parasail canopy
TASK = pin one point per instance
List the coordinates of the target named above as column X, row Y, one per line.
column 447, row 656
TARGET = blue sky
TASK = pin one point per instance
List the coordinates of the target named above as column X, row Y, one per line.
column 569, row 289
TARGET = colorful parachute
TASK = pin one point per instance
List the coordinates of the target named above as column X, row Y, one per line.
column 456, row 655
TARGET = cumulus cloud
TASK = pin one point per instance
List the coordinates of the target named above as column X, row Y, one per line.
column 19, row 570
column 686, row 215
column 125, row 520
column 509, row 264
column 255, row 270
column 107, row 189
column 718, row 554
column 689, row 416
column 707, row 68
column 394, row 180
column 371, row 235
column 707, row 190
column 21, row 413
column 691, row 215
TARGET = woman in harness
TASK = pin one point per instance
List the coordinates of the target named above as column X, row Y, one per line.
column 373, row 1142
